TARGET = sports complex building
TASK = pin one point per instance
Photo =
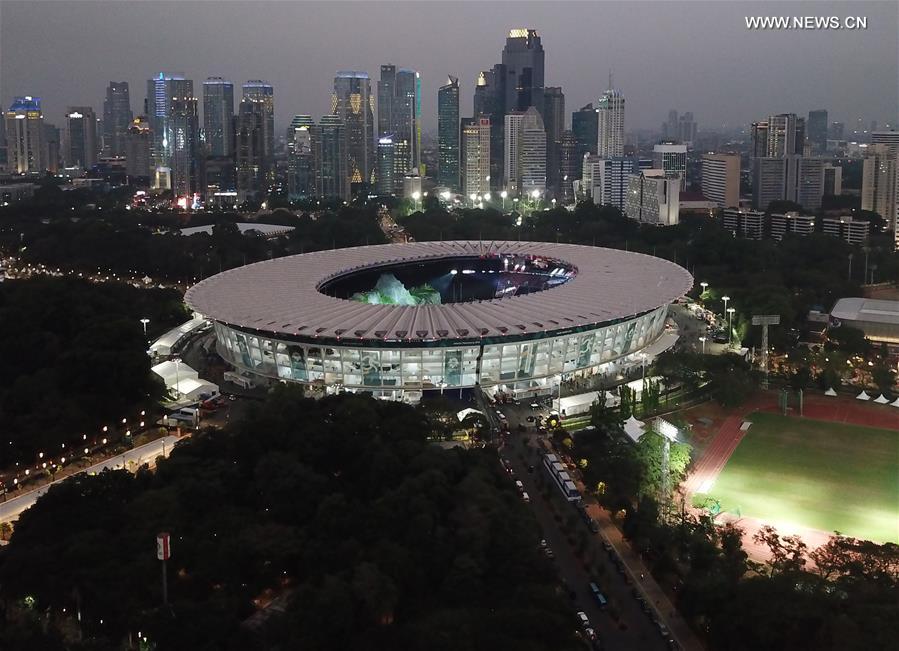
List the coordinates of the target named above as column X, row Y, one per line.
column 400, row 319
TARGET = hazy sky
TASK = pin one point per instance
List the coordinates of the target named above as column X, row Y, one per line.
column 690, row 56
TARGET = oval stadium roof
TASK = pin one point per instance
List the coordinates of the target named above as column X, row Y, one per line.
column 282, row 296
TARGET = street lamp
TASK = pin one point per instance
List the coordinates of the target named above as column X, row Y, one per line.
column 704, row 286
column 144, row 323
column 504, row 194
column 472, row 196
column 643, row 366
column 487, row 196
column 702, row 339
column 416, row 196
column 730, row 313
column 177, row 361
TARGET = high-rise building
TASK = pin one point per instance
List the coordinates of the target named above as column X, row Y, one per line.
column 568, row 166
column 609, row 179
column 653, row 197
column 890, row 140
column 186, row 162
column 352, row 104
column 554, row 120
column 138, row 144
column 52, row 147
column 585, row 128
column 532, row 145
column 721, row 179
column 788, row 178
column 833, row 180
column 476, row 145
column 523, row 59
column 162, row 90
column 26, row 149
column 879, row 192
column 218, row 116
column 221, row 183
column 836, row 131
column 778, row 136
column 510, row 153
column 407, row 117
column 386, row 95
column 386, row 166
column 448, row 134
column 672, row 158
column 300, row 161
column 80, row 148
column 610, row 125
column 330, row 158
column 490, row 102
column 250, row 150
column 116, row 118
column 817, row 131
column 679, row 129
column 262, row 93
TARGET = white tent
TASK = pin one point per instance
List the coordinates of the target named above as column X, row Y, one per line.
column 895, row 403
column 465, row 412
column 633, row 428
column 192, row 388
column 863, row 396
column 171, row 373
column 163, row 346
column 881, row 400
column 830, row 392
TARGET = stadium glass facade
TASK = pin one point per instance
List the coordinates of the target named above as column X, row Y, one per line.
column 524, row 364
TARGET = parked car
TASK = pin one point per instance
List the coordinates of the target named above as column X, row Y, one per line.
column 583, row 619
column 598, row 595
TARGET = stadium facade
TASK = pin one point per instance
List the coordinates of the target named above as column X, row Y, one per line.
column 400, row 319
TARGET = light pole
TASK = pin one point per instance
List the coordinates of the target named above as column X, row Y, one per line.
column 725, row 299
column 730, row 330
column 472, row 197
column 702, row 339
column 416, row 196
column 177, row 361
column 504, row 194
column 144, row 323
column 704, row 286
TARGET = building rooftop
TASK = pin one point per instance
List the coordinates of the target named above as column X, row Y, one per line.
column 866, row 309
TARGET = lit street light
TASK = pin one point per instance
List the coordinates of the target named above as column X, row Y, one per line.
column 730, row 313
column 702, row 339
column 504, row 194
column 144, row 323
column 704, row 286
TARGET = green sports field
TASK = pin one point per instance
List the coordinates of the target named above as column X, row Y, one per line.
column 817, row 474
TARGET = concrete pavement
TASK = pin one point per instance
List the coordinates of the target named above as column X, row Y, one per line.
column 130, row 460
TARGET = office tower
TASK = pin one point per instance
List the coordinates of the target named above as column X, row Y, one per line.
column 523, row 59
column 386, row 94
column 686, row 129
column 261, row 92
column 407, row 118
column 554, row 121
column 585, row 128
column 532, row 145
column 3, row 160
column 80, row 137
column 778, row 136
column 836, row 131
column 116, row 117
column 879, row 189
column 52, row 147
column 510, row 153
column 26, row 150
column 888, row 138
column 448, row 134
column 670, row 128
column 568, row 166
column 721, row 179
column 788, row 178
column 817, row 131
column 186, row 164
column 833, row 180
column 769, row 177
column 352, row 104
column 672, row 158
column 809, row 183
column 476, row 144
column 220, row 188
column 162, row 90
column 386, row 166
column 250, row 150
column 138, row 145
column 300, row 163
column 610, row 178
column 653, row 197
column 610, row 125
column 330, row 157
column 490, row 102
column 218, row 116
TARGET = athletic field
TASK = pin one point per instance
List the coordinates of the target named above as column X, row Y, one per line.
column 815, row 474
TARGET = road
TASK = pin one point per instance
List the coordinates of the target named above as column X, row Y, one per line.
column 132, row 459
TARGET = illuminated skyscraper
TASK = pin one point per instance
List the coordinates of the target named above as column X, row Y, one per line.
column 116, row 117
column 250, row 150
column 523, row 59
column 554, row 121
column 448, row 134
column 386, row 165
column 610, row 124
column 218, row 116
column 531, row 153
column 475, row 156
column 300, row 164
column 186, row 164
column 352, row 103
column 817, row 131
column 329, row 154
column 138, row 141
column 80, row 145
column 161, row 91
column 26, row 151
column 585, row 129
column 261, row 92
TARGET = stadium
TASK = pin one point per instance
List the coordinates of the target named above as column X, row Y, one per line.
column 397, row 320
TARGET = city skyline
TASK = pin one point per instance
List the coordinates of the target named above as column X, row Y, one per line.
column 712, row 79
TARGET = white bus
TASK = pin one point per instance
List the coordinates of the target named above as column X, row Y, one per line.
column 561, row 478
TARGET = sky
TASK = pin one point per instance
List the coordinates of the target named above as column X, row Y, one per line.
column 688, row 56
